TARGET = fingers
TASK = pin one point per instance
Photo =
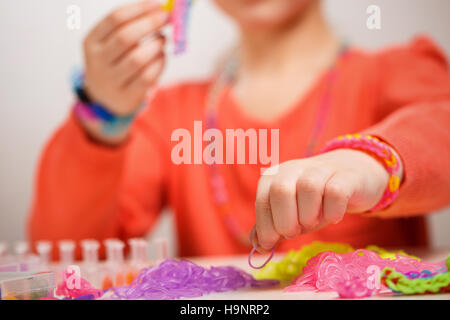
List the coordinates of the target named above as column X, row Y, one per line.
column 119, row 17
column 128, row 36
column 310, row 187
column 130, row 66
column 337, row 193
column 147, row 77
column 303, row 197
column 253, row 237
column 266, row 234
column 283, row 204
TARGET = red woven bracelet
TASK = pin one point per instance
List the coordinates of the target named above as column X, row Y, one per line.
column 382, row 152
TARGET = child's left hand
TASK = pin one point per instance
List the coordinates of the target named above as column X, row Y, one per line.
column 308, row 194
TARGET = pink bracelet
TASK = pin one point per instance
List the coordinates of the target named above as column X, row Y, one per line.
column 382, row 152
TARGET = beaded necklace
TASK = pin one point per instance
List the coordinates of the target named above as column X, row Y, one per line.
column 224, row 79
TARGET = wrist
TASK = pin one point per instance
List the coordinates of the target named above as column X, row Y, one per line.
column 100, row 123
column 96, row 133
column 384, row 154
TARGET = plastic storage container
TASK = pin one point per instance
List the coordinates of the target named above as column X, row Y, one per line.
column 20, row 286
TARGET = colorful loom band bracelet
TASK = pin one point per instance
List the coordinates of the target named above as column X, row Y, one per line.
column 90, row 112
column 382, row 152
column 435, row 282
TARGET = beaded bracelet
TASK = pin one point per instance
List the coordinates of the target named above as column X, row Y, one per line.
column 382, row 152
column 90, row 112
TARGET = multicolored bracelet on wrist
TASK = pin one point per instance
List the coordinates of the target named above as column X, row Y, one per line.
column 379, row 150
column 90, row 112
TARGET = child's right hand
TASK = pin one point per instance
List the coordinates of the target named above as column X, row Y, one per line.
column 120, row 68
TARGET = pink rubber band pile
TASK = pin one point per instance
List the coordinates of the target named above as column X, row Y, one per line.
column 354, row 288
column 349, row 273
column 70, row 287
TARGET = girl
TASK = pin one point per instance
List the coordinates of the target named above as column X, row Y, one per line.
column 290, row 72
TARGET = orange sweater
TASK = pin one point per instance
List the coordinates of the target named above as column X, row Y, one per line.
column 402, row 95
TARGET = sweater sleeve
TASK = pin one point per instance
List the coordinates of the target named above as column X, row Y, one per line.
column 87, row 190
column 414, row 114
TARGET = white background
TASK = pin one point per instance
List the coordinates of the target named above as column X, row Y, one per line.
column 38, row 51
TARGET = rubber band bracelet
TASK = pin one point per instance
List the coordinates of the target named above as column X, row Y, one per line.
column 92, row 112
column 382, row 152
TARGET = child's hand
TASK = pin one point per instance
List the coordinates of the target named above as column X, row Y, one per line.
column 120, row 67
column 308, row 194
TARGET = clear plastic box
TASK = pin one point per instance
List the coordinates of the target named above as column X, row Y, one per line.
column 27, row 286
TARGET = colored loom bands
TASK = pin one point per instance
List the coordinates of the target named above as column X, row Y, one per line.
column 264, row 264
column 423, row 274
column 68, row 288
column 354, row 288
column 294, row 261
column 168, row 6
column 174, row 279
column 180, row 19
column 327, row 270
column 180, row 10
column 385, row 254
column 400, row 283
column 382, row 152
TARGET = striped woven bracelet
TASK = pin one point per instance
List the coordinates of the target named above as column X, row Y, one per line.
column 88, row 111
column 379, row 150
